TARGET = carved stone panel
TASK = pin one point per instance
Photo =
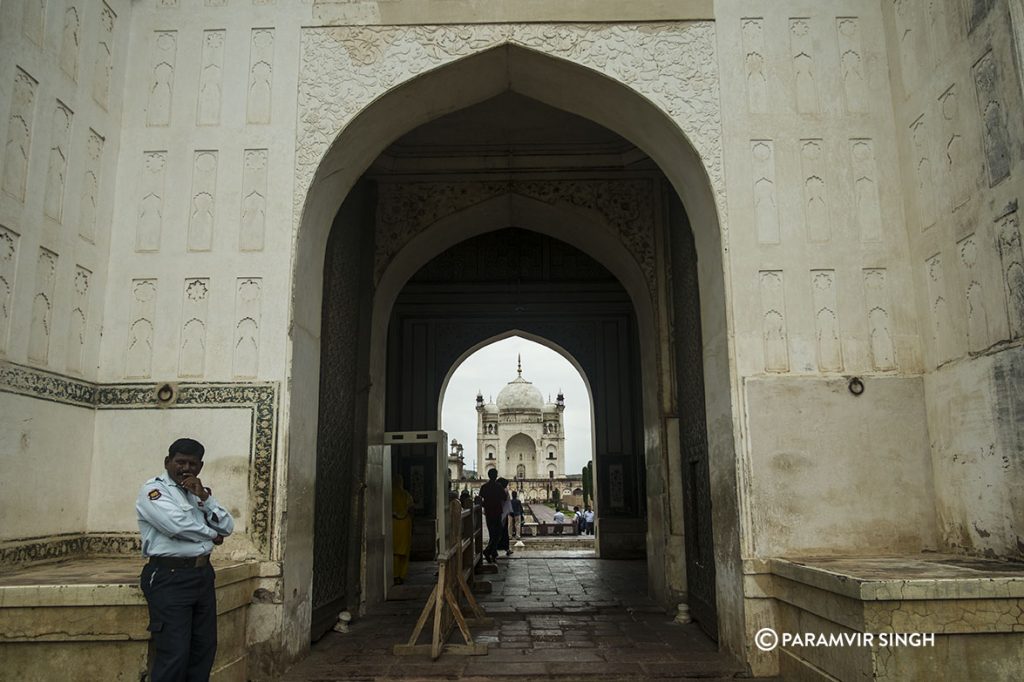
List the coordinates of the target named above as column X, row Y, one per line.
column 90, row 195
column 42, row 307
column 773, row 321
column 211, row 75
column 988, row 84
column 194, row 307
column 801, row 46
column 766, row 206
column 261, row 76
column 70, row 37
column 866, row 205
column 923, row 173
column 1011, row 258
column 57, row 163
column 826, row 320
column 150, row 220
column 876, row 303
column 141, row 327
column 956, row 156
column 817, row 220
column 161, row 80
column 8, row 268
column 755, row 64
column 104, row 59
column 254, row 200
column 17, row 149
column 969, row 260
column 852, row 68
column 938, row 307
column 344, row 69
column 907, row 34
column 248, row 300
column 78, row 325
column 202, row 205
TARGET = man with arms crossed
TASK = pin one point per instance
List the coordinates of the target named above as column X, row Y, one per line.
column 180, row 522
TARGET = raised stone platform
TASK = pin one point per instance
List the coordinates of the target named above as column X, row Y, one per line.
column 86, row 619
column 973, row 607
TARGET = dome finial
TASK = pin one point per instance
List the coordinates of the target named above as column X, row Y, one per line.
column 519, row 367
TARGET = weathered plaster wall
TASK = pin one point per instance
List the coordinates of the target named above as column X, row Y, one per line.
column 821, row 281
column 61, row 71
column 956, row 99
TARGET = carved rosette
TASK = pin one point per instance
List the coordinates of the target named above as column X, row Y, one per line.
column 344, row 69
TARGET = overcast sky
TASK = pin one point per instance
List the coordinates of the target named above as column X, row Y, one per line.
column 491, row 367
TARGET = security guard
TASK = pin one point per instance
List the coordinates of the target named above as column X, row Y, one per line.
column 180, row 522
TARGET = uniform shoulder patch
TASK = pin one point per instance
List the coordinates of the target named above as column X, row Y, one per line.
column 154, row 494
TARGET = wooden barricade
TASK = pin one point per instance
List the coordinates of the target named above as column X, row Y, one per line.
column 444, row 599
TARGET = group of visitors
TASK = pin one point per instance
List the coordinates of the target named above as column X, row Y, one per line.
column 500, row 509
column 583, row 521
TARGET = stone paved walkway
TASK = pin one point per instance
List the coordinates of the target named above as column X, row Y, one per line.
column 555, row 619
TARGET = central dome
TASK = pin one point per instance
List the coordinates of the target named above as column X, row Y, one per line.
column 519, row 395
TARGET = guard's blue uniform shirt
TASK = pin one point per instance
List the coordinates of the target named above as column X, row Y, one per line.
column 176, row 523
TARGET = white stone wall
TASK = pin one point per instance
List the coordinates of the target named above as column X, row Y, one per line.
column 822, row 285
column 957, row 102
column 61, row 75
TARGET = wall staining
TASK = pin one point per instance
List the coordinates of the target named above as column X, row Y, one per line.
column 773, row 321
column 17, row 149
column 876, row 303
column 851, row 64
column 78, row 327
column 202, row 206
column 923, row 173
column 33, row 20
column 816, row 205
column 766, row 208
column 942, row 322
column 8, row 267
column 104, row 62
column 955, row 157
column 801, row 49
column 192, row 351
column 248, row 300
column 151, row 202
column 91, row 186
column 1011, row 259
column 161, row 82
column 42, row 307
column 69, row 41
column 826, row 320
column 866, row 205
column 993, row 125
column 755, row 65
column 261, row 75
column 211, row 75
column 968, row 257
column 254, row 200
column 57, row 164
column 977, row 10
column 139, row 349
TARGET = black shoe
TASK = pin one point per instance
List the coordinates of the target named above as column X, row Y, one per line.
column 509, row 553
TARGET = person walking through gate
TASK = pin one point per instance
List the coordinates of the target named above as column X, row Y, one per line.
column 401, row 527
column 517, row 515
column 493, row 496
column 588, row 516
column 506, row 516
column 180, row 522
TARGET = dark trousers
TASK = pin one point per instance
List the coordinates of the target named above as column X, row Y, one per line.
column 182, row 622
column 493, row 535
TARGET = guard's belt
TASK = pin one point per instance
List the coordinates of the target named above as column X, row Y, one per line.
column 179, row 561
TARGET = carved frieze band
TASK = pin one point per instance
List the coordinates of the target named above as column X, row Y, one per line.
column 628, row 207
column 261, row 398
column 345, row 68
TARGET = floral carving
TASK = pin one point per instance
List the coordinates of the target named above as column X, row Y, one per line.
column 346, row 68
